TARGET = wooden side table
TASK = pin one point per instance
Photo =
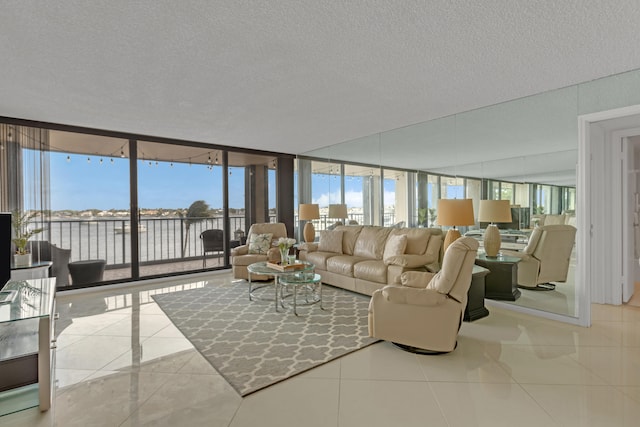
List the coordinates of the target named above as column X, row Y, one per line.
column 475, row 296
column 502, row 283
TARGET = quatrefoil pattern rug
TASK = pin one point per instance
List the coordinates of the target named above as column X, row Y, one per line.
column 252, row 346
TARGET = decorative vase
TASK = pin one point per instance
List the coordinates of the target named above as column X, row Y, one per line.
column 21, row 260
column 284, row 255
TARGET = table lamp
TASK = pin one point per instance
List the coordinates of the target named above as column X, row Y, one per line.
column 338, row 211
column 454, row 212
column 493, row 211
column 308, row 212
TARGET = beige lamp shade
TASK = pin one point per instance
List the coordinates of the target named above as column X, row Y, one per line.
column 494, row 211
column 338, row 211
column 307, row 212
column 453, row 212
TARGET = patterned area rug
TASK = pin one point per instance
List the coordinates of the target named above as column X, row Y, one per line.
column 252, row 346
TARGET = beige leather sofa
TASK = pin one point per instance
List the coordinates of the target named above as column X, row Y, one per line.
column 241, row 257
column 424, row 314
column 357, row 261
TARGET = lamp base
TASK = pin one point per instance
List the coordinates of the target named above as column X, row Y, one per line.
column 309, row 232
column 491, row 241
column 452, row 235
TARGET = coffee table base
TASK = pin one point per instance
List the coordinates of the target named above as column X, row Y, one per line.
column 295, row 282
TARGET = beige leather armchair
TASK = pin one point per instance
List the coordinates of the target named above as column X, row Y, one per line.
column 424, row 314
column 546, row 257
column 241, row 257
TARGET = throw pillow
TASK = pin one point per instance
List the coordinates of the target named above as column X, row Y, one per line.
column 396, row 244
column 330, row 241
column 260, row 243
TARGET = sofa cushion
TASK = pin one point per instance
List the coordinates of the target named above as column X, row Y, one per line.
column 349, row 237
column 343, row 264
column 331, row 241
column 417, row 239
column 370, row 243
column 260, row 243
column 373, row 271
column 319, row 259
column 395, row 246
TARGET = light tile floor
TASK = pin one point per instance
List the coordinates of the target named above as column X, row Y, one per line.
column 120, row 362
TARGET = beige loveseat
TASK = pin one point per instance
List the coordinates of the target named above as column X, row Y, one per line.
column 366, row 258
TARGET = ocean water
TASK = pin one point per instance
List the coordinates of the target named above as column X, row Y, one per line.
column 110, row 239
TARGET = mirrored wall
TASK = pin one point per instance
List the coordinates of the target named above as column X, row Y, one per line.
column 525, row 150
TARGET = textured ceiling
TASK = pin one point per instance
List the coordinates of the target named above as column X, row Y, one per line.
column 294, row 76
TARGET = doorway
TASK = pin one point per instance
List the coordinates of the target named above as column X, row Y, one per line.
column 605, row 232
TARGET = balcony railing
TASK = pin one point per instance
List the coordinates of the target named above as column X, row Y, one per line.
column 159, row 239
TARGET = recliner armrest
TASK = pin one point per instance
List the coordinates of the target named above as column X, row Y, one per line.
column 416, row 279
column 515, row 254
column 413, row 296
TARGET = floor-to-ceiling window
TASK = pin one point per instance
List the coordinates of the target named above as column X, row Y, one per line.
column 354, row 188
column 90, row 199
column 180, row 195
column 568, row 199
column 395, row 196
column 452, row 188
column 521, row 202
column 474, row 192
column 139, row 204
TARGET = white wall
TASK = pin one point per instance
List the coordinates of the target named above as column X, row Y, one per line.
column 600, row 185
column 634, row 187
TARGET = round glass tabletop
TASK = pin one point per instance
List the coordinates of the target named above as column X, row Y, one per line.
column 263, row 268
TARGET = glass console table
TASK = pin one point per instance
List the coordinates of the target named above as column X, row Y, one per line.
column 35, row 270
column 27, row 351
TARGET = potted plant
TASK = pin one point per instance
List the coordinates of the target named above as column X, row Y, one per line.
column 22, row 234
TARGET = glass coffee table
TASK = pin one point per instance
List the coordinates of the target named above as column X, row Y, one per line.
column 310, row 283
column 263, row 269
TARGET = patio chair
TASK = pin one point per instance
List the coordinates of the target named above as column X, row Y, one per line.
column 42, row 250
column 212, row 241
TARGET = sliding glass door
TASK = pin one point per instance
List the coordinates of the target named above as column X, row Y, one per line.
column 90, row 199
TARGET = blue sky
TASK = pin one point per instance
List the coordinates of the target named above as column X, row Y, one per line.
column 79, row 184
